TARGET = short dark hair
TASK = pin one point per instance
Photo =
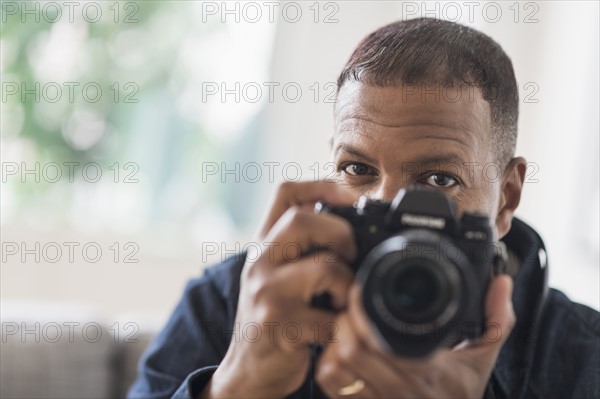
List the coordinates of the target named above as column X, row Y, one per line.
column 432, row 51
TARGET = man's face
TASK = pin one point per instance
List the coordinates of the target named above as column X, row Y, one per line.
column 387, row 138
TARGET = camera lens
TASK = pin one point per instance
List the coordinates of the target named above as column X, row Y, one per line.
column 412, row 290
column 417, row 291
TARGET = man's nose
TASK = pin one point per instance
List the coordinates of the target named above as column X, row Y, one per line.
column 387, row 188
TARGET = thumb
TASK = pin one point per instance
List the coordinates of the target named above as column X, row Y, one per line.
column 500, row 316
column 500, row 320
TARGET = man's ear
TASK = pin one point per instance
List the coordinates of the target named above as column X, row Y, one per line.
column 510, row 194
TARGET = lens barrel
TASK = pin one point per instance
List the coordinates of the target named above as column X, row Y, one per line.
column 413, row 287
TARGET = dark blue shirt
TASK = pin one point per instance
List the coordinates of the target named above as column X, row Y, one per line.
column 553, row 351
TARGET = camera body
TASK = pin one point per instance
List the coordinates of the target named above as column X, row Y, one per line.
column 424, row 273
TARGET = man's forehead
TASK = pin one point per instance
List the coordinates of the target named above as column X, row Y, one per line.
column 360, row 105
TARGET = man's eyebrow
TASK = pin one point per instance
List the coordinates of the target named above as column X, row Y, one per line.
column 353, row 151
column 434, row 159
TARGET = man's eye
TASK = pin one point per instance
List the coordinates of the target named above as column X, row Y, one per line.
column 441, row 180
column 356, row 169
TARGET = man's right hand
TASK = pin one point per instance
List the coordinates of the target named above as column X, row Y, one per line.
column 277, row 286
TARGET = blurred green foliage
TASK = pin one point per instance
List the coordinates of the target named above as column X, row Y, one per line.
column 136, row 53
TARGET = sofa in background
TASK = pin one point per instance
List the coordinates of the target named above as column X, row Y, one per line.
column 54, row 351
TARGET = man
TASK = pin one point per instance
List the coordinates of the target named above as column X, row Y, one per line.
column 421, row 102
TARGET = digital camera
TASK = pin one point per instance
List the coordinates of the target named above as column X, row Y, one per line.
column 424, row 272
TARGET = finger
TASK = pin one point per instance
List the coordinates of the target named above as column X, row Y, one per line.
column 379, row 363
column 361, row 323
column 376, row 372
column 358, row 318
column 500, row 315
column 500, row 320
column 303, row 326
column 331, row 377
column 344, row 362
column 315, row 274
column 336, row 385
column 354, row 356
column 299, row 230
column 303, row 193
